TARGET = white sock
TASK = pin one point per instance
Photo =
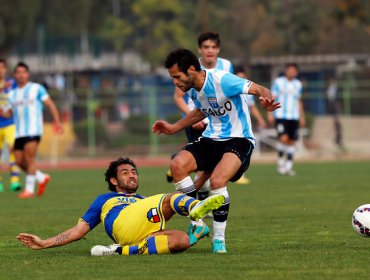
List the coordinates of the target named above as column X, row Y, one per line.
column 39, row 176
column 219, row 228
column 185, row 186
column 290, row 155
column 30, row 183
column 281, row 148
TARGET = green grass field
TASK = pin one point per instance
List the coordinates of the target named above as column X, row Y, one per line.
column 279, row 228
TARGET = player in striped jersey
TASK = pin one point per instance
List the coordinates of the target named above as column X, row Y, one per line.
column 136, row 223
column 209, row 47
column 25, row 105
column 288, row 91
column 7, row 127
column 225, row 148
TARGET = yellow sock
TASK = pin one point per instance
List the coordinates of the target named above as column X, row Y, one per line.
column 14, row 170
column 182, row 203
column 155, row 245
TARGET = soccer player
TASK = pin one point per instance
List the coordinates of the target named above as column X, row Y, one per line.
column 288, row 91
column 136, row 223
column 209, row 47
column 225, row 148
column 26, row 101
column 7, row 127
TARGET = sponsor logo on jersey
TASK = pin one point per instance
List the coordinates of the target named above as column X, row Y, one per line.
column 218, row 111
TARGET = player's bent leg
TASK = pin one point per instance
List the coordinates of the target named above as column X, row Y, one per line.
column 182, row 165
column 159, row 243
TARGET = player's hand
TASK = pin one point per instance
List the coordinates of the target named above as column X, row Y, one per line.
column 163, row 127
column 199, row 125
column 269, row 103
column 58, row 128
column 31, row 241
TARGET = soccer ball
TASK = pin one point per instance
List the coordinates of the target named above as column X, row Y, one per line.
column 361, row 220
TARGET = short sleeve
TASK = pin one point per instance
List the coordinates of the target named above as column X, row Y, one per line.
column 233, row 85
column 92, row 215
column 231, row 68
column 42, row 94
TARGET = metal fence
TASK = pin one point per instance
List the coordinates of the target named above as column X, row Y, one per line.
column 112, row 117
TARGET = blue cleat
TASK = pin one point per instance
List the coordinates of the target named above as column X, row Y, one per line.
column 219, row 246
column 197, row 232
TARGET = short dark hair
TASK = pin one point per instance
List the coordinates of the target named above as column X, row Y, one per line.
column 23, row 65
column 111, row 172
column 209, row 36
column 288, row 65
column 183, row 58
column 3, row 61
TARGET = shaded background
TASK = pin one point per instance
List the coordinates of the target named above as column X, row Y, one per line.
column 101, row 61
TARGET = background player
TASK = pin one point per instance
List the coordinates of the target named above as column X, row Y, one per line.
column 224, row 150
column 7, row 127
column 136, row 223
column 288, row 91
column 25, row 104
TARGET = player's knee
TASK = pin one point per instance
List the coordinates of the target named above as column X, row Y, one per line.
column 177, row 167
column 178, row 242
column 217, row 182
column 284, row 139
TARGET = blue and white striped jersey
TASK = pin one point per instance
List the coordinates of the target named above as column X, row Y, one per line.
column 288, row 94
column 27, row 104
column 223, row 99
column 222, row 64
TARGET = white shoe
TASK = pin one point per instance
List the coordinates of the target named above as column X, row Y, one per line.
column 290, row 173
column 281, row 170
column 100, row 250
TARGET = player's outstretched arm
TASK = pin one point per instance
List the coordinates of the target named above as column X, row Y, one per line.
column 6, row 113
column 167, row 128
column 55, row 114
column 178, row 98
column 73, row 234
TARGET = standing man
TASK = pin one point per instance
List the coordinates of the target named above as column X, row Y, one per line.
column 7, row 127
column 225, row 148
column 288, row 91
column 209, row 47
column 25, row 104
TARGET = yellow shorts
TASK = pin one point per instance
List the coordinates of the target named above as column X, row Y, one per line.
column 137, row 221
column 7, row 136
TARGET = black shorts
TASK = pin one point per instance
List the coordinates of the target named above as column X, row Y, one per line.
column 22, row 141
column 208, row 153
column 289, row 127
column 193, row 134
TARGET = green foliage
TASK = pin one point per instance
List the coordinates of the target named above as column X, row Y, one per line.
column 81, row 131
column 279, row 228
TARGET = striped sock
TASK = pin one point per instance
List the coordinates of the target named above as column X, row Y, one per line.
column 182, row 204
column 155, row 245
column 14, row 170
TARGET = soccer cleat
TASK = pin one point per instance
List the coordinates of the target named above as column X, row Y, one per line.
column 197, row 232
column 219, row 246
column 15, row 187
column 100, row 250
column 1, row 187
column 42, row 185
column 203, row 207
column 243, row 181
column 169, row 176
column 25, row 195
